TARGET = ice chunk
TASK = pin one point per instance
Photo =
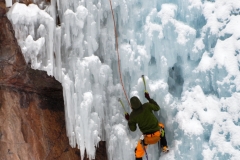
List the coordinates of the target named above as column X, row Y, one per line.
column 8, row 3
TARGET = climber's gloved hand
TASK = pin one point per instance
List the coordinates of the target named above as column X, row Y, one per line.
column 147, row 96
column 127, row 116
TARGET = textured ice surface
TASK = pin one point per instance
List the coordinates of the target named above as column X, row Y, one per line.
column 187, row 49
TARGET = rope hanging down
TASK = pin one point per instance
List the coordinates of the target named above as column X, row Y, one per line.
column 119, row 66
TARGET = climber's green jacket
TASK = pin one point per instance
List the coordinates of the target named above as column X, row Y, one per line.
column 143, row 116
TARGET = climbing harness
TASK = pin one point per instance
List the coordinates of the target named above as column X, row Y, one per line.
column 119, row 66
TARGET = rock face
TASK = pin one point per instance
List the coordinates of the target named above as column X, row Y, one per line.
column 32, row 121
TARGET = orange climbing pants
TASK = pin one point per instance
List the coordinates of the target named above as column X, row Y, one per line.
column 148, row 139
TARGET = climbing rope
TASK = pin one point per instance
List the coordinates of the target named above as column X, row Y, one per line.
column 119, row 66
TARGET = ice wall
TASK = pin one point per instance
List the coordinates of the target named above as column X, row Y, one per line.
column 188, row 50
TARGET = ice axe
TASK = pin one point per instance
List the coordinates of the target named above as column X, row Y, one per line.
column 144, row 82
column 125, row 112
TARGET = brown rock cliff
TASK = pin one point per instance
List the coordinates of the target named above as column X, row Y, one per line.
column 32, row 121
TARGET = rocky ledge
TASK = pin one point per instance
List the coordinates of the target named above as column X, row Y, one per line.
column 32, row 121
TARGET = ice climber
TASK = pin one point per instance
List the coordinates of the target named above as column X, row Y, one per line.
column 152, row 130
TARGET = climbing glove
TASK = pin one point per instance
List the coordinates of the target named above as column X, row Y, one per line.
column 147, row 96
column 127, row 116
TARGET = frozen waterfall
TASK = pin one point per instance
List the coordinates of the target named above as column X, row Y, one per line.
column 189, row 51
